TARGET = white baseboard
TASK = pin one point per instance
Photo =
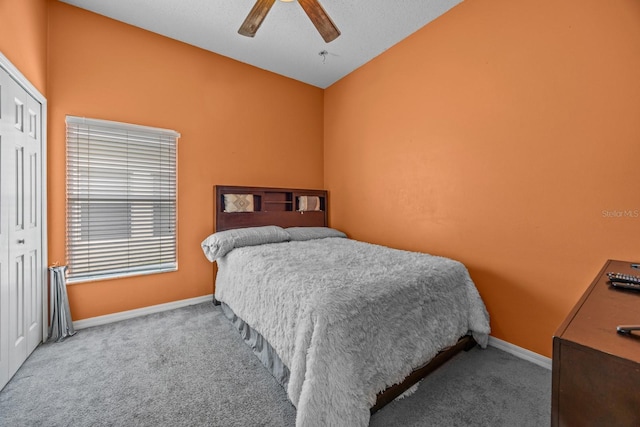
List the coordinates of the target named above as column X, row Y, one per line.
column 130, row 314
column 520, row 352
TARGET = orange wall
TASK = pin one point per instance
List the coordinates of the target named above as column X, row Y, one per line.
column 240, row 125
column 495, row 136
column 23, row 38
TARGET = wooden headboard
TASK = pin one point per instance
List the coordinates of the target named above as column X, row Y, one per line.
column 271, row 206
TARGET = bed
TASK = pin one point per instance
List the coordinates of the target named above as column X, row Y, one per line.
column 345, row 326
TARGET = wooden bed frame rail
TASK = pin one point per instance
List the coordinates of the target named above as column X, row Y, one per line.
column 465, row 343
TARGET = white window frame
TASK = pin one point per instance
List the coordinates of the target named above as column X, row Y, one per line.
column 121, row 199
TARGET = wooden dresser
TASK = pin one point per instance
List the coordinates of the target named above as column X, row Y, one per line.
column 596, row 371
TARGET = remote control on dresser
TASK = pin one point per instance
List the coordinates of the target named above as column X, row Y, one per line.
column 624, row 281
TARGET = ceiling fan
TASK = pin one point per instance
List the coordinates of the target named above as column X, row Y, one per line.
column 312, row 8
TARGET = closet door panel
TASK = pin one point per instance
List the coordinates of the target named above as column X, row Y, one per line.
column 17, row 305
column 32, row 229
column 18, row 292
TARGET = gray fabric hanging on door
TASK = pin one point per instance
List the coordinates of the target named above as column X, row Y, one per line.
column 60, row 323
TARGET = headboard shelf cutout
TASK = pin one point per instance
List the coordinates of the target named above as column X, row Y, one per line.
column 285, row 207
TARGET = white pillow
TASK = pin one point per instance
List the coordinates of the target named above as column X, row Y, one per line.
column 310, row 233
column 221, row 243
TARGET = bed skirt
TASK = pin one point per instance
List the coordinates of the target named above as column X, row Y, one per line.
column 260, row 346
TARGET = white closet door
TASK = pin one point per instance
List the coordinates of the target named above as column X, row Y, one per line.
column 21, row 187
column 4, row 235
column 31, row 233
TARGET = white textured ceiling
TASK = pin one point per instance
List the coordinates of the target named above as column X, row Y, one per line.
column 287, row 43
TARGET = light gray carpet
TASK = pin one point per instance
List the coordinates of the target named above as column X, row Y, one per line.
column 188, row 367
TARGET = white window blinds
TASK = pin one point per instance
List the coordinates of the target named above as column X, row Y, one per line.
column 121, row 199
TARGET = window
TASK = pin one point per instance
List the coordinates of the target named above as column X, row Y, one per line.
column 121, row 199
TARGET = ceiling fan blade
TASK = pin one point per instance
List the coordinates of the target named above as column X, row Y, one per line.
column 255, row 17
column 320, row 19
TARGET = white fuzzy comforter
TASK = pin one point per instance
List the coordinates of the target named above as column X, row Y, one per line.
column 349, row 318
